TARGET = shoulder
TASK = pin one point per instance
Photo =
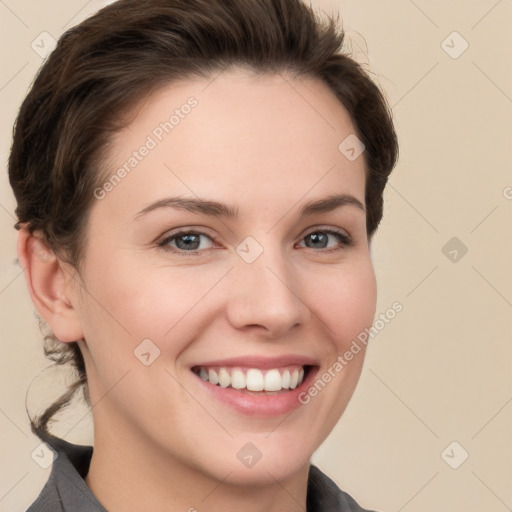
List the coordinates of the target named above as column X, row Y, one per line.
column 325, row 496
column 66, row 490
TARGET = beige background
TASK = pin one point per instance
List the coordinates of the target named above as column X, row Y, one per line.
column 440, row 371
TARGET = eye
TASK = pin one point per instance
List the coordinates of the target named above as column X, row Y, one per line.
column 320, row 240
column 185, row 241
column 191, row 242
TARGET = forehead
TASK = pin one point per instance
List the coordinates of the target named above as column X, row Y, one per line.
column 234, row 135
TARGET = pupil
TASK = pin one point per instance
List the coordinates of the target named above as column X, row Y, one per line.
column 315, row 237
column 188, row 239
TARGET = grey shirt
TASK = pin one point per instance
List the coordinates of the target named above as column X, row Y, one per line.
column 66, row 490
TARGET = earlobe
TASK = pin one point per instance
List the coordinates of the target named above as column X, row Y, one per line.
column 50, row 286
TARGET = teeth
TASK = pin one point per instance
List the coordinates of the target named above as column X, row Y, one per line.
column 224, row 378
column 238, row 380
column 213, row 377
column 254, row 379
column 286, row 379
column 273, row 381
column 294, row 378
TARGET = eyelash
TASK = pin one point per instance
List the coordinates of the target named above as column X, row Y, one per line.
column 345, row 241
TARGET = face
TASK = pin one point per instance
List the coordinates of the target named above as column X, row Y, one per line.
column 185, row 305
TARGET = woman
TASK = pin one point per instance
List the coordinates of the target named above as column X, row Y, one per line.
column 198, row 183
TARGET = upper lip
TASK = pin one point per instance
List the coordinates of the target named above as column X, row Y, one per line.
column 261, row 362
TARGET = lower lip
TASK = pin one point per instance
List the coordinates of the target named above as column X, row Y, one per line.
column 261, row 404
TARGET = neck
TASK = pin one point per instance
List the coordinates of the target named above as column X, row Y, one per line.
column 127, row 473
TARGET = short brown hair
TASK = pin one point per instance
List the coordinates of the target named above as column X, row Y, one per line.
column 102, row 68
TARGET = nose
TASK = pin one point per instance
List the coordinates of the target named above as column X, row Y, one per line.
column 264, row 296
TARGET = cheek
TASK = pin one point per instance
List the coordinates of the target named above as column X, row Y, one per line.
column 126, row 304
column 345, row 300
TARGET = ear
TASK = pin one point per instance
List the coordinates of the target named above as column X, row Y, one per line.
column 51, row 285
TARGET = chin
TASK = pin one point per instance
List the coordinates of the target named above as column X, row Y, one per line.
column 278, row 466
column 263, row 459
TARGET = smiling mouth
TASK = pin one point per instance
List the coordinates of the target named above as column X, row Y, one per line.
column 254, row 379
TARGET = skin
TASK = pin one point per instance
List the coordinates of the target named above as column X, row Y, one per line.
column 266, row 145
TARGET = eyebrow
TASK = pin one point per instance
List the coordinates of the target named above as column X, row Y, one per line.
column 216, row 209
